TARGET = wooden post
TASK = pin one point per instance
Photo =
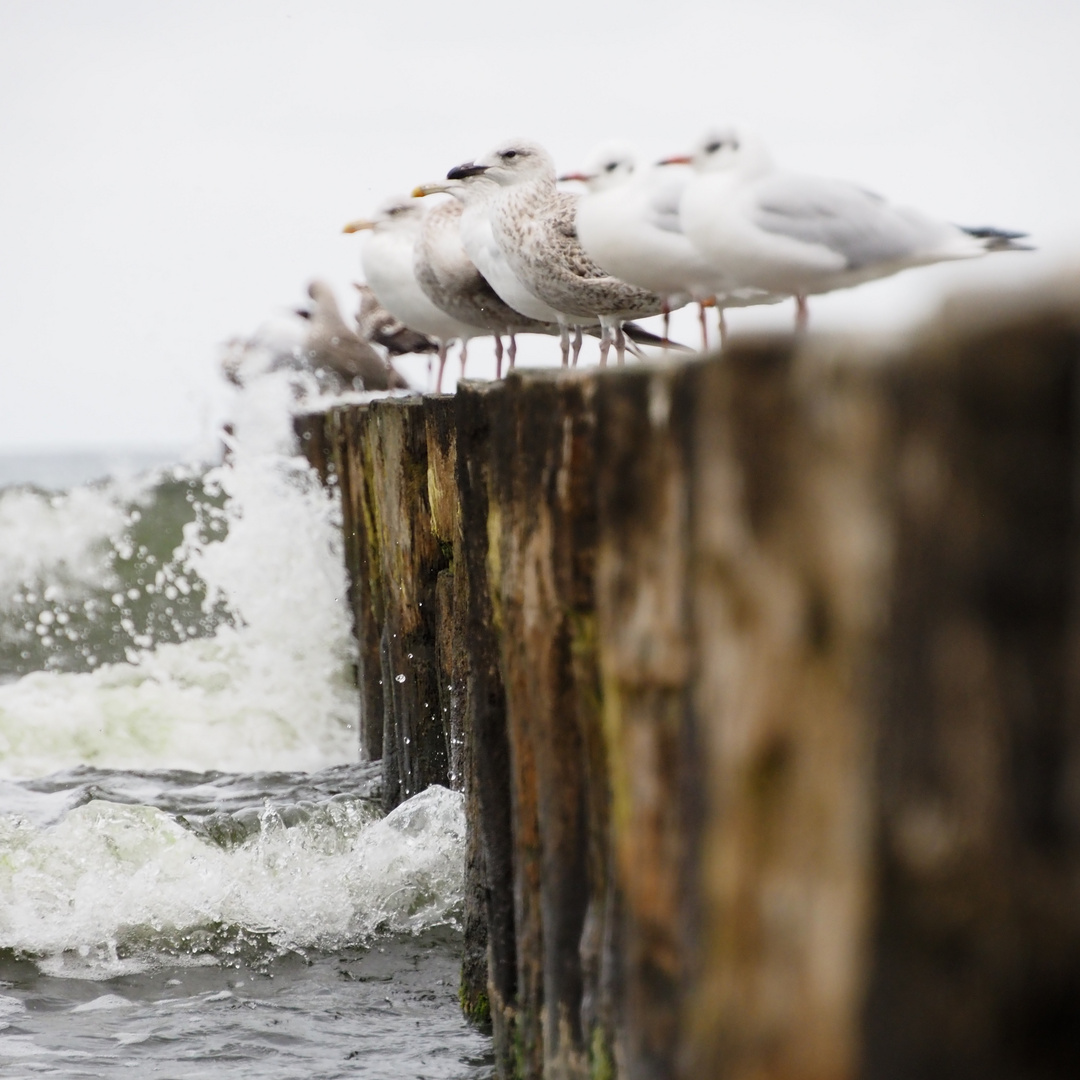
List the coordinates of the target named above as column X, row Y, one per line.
column 763, row 674
column 491, row 845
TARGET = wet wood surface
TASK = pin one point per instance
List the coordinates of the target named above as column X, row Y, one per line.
column 759, row 675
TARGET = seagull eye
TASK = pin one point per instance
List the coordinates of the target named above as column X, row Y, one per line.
column 715, row 145
column 508, row 154
column 611, row 166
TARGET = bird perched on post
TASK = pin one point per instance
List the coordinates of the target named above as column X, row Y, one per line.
column 532, row 223
column 388, row 262
column 333, row 349
column 801, row 235
column 377, row 326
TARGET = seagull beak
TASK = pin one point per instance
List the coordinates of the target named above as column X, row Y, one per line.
column 359, row 225
column 421, row 190
column 463, row 172
column 583, row 177
column 679, row 159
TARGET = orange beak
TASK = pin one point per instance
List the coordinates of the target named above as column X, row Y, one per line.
column 583, row 177
column 679, row 159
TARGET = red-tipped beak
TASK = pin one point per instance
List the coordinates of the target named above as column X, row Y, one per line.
column 583, row 177
column 679, row 159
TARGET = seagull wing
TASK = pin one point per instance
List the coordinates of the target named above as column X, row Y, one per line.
column 859, row 226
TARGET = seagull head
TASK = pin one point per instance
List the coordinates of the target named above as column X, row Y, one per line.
column 516, row 161
column 394, row 214
column 723, row 150
column 611, row 164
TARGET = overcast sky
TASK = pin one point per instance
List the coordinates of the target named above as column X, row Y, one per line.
column 174, row 174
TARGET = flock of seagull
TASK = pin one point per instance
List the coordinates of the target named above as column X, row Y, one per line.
column 722, row 226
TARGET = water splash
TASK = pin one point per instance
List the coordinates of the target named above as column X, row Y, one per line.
column 114, row 888
column 196, row 621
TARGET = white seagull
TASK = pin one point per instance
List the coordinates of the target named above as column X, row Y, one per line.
column 628, row 221
column 801, row 235
column 388, row 262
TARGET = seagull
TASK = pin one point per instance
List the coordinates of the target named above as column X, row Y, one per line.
column 532, row 225
column 802, row 235
column 452, row 282
column 628, row 222
column 312, row 339
column 388, row 262
column 376, row 325
column 331, row 347
column 477, row 193
column 474, row 230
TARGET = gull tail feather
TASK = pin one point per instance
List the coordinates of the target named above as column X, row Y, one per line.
column 640, row 336
column 999, row 239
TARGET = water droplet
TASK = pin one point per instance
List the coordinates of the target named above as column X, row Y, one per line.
column 399, row 678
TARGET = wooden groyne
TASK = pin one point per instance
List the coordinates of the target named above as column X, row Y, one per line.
column 760, row 675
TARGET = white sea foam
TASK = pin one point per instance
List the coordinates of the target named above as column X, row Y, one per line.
column 272, row 691
column 65, row 537
column 111, row 887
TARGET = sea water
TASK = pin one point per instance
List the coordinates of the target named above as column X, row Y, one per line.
column 195, row 877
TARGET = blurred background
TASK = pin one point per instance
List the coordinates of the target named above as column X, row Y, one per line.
column 175, row 175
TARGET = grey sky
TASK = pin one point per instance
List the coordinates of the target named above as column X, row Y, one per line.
column 173, row 174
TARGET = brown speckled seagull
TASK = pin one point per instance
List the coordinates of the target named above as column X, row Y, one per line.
column 533, row 224
column 452, row 282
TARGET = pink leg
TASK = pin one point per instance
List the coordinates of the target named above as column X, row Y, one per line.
column 666, row 310
column 802, row 315
column 442, row 364
column 704, row 328
column 605, row 344
column 721, row 322
column 498, row 357
column 464, row 356
column 620, row 345
column 577, row 344
column 513, row 351
column 564, row 342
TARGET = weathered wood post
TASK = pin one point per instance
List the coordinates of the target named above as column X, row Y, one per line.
column 491, row 843
column 766, row 675
column 974, row 966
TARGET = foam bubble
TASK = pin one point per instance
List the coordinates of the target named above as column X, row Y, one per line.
column 112, row 889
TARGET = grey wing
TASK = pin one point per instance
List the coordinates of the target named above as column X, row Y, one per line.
column 856, row 224
column 662, row 210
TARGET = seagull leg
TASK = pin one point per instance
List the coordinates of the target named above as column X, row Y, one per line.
column 464, row 356
column 512, row 351
column 498, row 357
column 802, row 314
column 442, row 364
column 620, row 345
column 605, row 342
column 704, row 327
column 666, row 312
column 577, row 344
column 721, row 323
column 564, row 342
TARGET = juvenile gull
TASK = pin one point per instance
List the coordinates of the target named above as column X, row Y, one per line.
column 474, row 193
column 532, row 224
column 331, row 347
column 628, row 221
column 314, row 340
column 376, row 325
column 802, row 235
column 452, row 282
column 388, row 262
